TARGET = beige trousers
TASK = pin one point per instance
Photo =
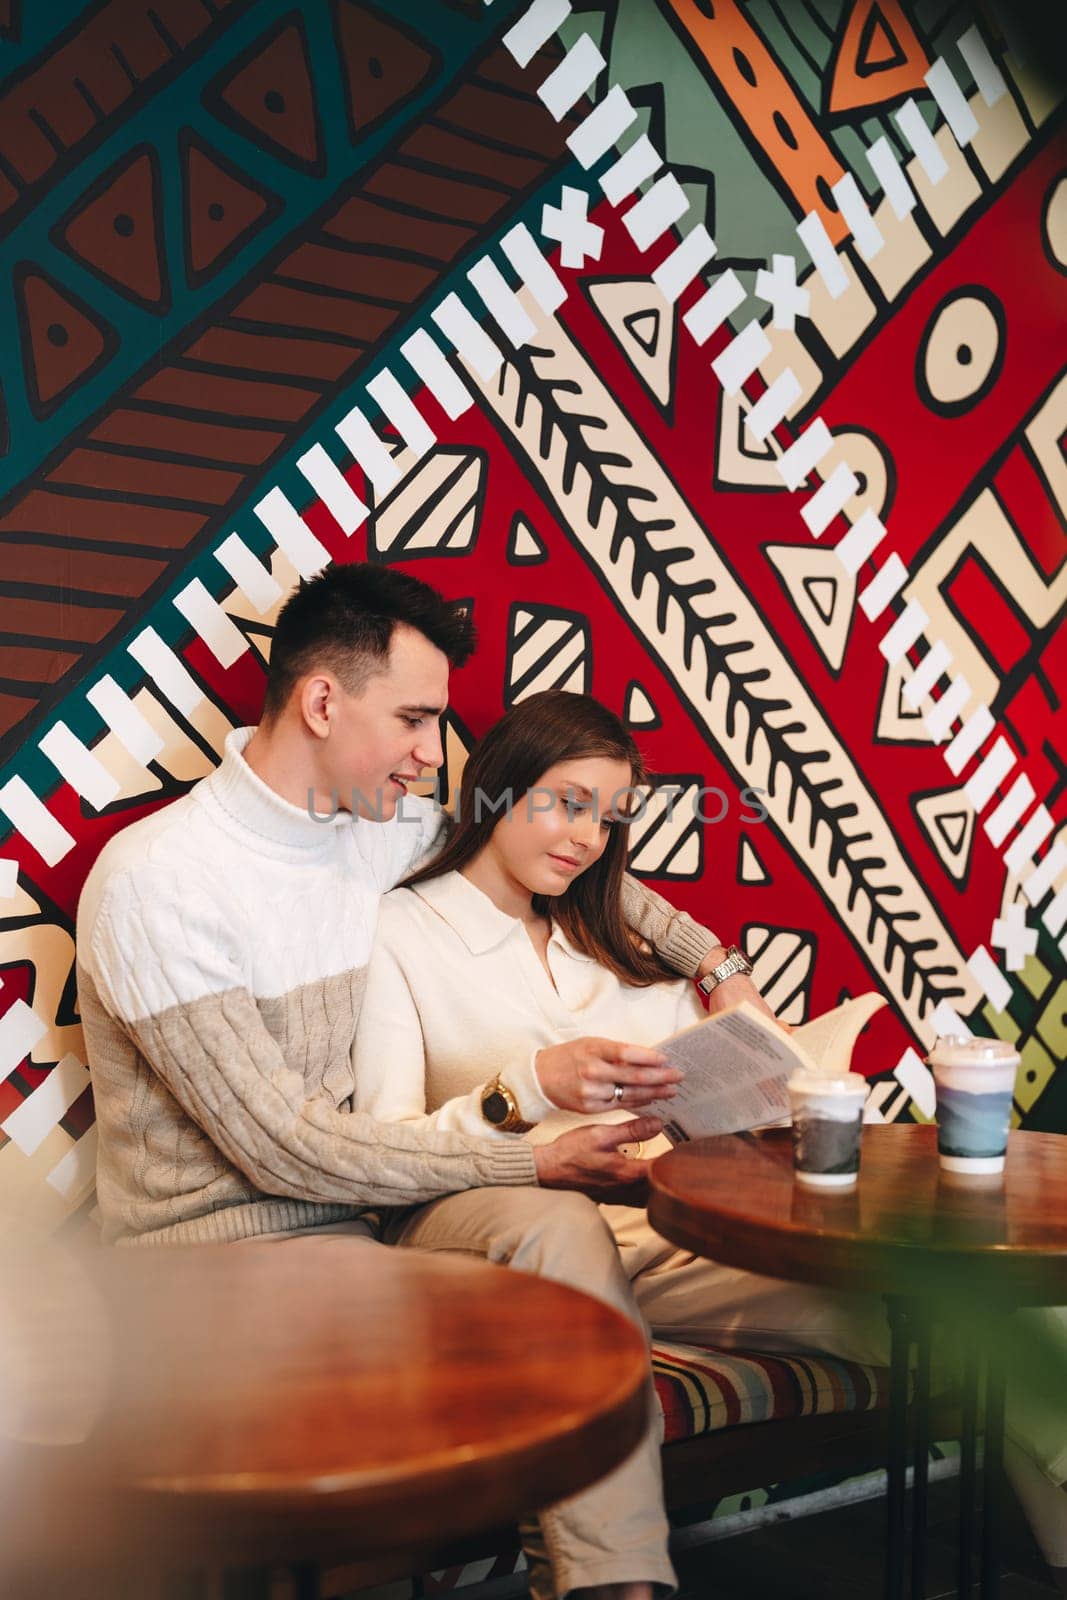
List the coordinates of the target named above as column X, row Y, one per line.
column 616, row 1531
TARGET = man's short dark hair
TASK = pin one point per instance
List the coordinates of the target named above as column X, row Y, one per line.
column 343, row 621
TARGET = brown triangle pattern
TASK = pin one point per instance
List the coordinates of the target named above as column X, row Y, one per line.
column 385, row 64
column 222, row 207
column 63, row 342
column 270, row 98
column 11, row 19
column 169, row 458
column 117, row 231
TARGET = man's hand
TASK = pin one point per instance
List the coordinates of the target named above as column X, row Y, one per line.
column 588, row 1159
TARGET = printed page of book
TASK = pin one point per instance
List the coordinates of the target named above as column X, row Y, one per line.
column 735, row 1065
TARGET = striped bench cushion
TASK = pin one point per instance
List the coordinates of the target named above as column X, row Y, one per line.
column 701, row 1389
column 704, row 1389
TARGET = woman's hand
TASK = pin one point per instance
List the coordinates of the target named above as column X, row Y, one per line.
column 582, row 1075
column 738, row 988
column 733, row 991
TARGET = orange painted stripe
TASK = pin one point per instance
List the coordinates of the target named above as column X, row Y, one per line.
column 766, row 101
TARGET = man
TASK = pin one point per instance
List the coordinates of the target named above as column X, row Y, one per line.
column 221, row 953
column 222, row 944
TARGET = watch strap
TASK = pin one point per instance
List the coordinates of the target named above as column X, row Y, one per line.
column 732, row 964
column 501, row 1109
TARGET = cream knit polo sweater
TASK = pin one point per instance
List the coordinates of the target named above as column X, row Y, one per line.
column 222, row 954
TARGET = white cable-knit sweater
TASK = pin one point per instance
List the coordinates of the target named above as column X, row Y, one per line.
column 222, row 954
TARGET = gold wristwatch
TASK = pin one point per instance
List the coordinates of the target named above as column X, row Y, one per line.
column 500, row 1108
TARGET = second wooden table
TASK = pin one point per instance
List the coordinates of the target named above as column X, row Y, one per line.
column 963, row 1251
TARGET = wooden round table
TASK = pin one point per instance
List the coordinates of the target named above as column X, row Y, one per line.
column 336, row 1399
column 964, row 1251
column 906, row 1227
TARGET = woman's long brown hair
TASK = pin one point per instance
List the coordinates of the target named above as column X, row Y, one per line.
column 529, row 739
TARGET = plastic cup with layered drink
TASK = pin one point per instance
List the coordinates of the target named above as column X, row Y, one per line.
column 974, row 1080
column 827, row 1127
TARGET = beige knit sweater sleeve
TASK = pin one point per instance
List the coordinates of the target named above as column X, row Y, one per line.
column 171, row 983
column 681, row 942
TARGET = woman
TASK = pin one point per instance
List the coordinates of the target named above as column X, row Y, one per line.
column 503, row 980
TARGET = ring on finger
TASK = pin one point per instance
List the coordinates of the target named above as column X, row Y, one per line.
column 617, row 1093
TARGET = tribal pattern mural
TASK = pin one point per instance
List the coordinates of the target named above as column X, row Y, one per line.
column 713, row 353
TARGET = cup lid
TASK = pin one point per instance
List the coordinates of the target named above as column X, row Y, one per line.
column 955, row 1049
column 806, row 1081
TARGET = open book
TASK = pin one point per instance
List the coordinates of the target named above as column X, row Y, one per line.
column 737, row 1062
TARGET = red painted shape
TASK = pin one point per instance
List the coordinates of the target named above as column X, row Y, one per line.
column 1027, row 502
column 18, row 985
column 988, row 614
column 937, row 458
column 1040, row 725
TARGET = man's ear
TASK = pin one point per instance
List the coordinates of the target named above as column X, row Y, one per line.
column 318, row 704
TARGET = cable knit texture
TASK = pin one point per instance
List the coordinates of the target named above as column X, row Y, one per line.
column 223, row 946
column 222, row 954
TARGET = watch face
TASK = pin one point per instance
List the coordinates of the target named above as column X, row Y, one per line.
column 495, row 1108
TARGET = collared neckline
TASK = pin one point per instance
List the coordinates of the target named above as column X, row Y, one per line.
column 256, row 808
column 471, row 914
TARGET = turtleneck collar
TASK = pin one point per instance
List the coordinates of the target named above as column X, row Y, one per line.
column 255, row 807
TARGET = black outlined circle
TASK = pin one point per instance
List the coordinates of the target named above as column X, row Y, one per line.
column 961, row 352
column 1054, row 223
column 869, row 458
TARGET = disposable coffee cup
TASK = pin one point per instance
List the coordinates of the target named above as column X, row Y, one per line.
column 827, row 1126
column 974, row 1080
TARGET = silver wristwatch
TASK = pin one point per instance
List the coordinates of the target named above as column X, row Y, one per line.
column 731, row 964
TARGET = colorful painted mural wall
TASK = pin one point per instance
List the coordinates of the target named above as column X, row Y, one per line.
column 713, row 352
